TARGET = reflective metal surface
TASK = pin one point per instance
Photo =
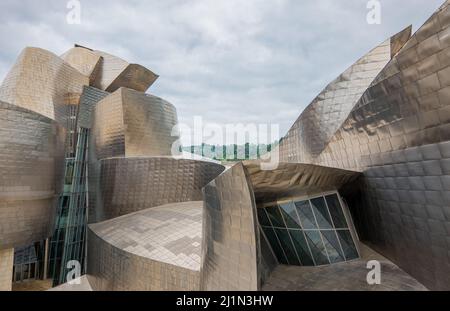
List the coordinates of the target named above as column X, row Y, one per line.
column 312, row 131
column 131, row 184
column 154, row 249
column 83, row 60
column 115, row 72
column 31, row 163
column 230, row 254
column 295, row 179
column 129, row 123
column 397, row 135
column 42, row 82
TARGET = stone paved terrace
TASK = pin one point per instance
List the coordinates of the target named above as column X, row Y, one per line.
column 346, row 276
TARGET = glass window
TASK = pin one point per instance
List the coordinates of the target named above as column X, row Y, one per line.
column 286, row 243
column 336, row 211
column 290, row 215
column 321, row 212
column 275, row 216
column 348, row 246
column 304, row 232
column 332, row 245
column 317, row 247
column 270, row 234
column 302, row 247
column 306, row 215
column 262, row 217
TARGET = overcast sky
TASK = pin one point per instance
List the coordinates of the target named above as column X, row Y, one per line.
column 230, row 61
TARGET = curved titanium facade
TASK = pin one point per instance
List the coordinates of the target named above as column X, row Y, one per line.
column 154, row 249
column 407, row 105
column 128, row 185
column 319, row 121
column 129, row 123
column 295, row 179
column 397, row 135
column 230, row 253
column 83, row 60
column 114, row 73
column 31, row 161
column 42, row 82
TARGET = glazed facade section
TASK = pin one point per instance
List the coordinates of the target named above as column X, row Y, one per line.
column 129, row 185
column 231, row 254
column 31, row 161
column 308, row 232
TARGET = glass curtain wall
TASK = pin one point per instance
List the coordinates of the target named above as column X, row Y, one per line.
column 308, row 232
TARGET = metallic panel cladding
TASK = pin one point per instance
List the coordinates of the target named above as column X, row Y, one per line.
column 31, row 162
column 129, row 123
column 397, row 135
column 40, row 81
column 84, row 60
column 319, row 121
column 131, row 184
column 231, row 256
column 115, row 72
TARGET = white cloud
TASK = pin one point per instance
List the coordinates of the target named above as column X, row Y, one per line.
column 229, row 61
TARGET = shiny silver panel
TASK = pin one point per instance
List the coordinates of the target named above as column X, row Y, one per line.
column 397, row 134
column 230, row 253
column 31, row 163
column 135, row 77
column 406, row 211
column 115, row 72
column 41, row 82
column 407, row 106
column 393, row 135
column 131, row 184
column 154, row 249
column 295, row 179
column 312, row 131
column 129, row 123
column 84, row 60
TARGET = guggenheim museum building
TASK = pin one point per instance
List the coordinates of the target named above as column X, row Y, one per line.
column 90, row 185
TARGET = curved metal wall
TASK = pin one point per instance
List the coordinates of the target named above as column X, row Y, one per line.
column 115, row 72
column 128, row 185
column 31, row 162
column 40, row 81
column 398, row 136
column 84, row 60
column 130, row 123
column 312, row 131
column 407, row 106
column 231, row 257
column 154, row 249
